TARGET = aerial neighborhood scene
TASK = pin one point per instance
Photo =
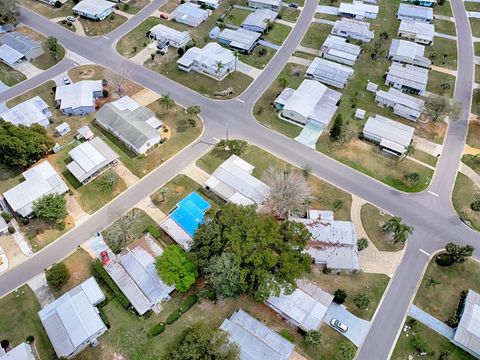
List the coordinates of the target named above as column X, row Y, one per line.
column 239, row 179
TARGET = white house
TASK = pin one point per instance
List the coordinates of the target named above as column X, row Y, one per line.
column 213, row 60
column 190, row 14
column 404, row 105
column 409, row 52
column 415, row 13
column 71, row 321
column 32, row 111
column 337, row 49
column 175, row 38
column 40, row 180
column 94, row 9
column 420, row 32
column 274, row 5
column 22, row 45
column 258, row 20
column 137, row 126
column 329, row 72
column 407, row 78
column 22, row 351
column 358, row 10
column 62, row 129
column 239, row 39
column 353, row 29
column 467, row 334
column 79, row 98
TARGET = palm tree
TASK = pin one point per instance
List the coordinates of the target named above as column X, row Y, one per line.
column 399, row 230
column 269, row 23
column 219, row 66
column 166, row 101
column 283, row 80
column 194, row 110
column 164, row 192
column 409, row 150
column 230, row 16
column 235, row 54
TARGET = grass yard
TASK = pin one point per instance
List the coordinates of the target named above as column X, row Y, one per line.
column 96, row 193
column 136, row 40
column 453, row 280
column 476, row 47
column 79, row 265
column 477, row 73
column 473, row 136
column 278, row 34
column 326, row 16
column 472, row 6
column 444, row 9
column 97, row 28
column 48, row 11
column 9, row 177
column 236, row 16
column 256, row 58
column 9, row 76
column 329, row 348
column 372, row 221
column 203, row 84
column 316, row 35
column 441, row 84
column 18, row 311
column 476, row 103
column 325, row 195
column 437, row 342
column 304, row 55
column 426, row 158
column 473, row 162
column 475, row 25
column 47, row 60
column 373, row 285
column 134, row 6
column 40, row 233
column 289, row 14
column 444, row 27
column 464, row 193
column 264, row 110
column 443, row 53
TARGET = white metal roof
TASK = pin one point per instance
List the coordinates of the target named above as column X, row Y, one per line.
column 189, row 12
column 354, row 27
column 389, row 130
column 259, row 18
column 408, row 75
column 164, row 32
column 9, row 55
column 177, row 233
column 23, row 351
column 78, row 94
column 210, row 55
column 415, row 11
column 327, row 70
column 468, row 330
column 93, row 7
column 401, row 98
column 418, row 28
column 239, row 38
column 339, row 47
column 358, row 8
column 32, row 111
column 267, row 2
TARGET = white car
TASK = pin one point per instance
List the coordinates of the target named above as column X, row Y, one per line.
column 71, row 18
column 66, row 80
column 337, row 324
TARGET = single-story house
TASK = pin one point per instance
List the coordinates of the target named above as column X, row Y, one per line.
column 256, row 340
column 408, row 52
column 239, row 39
column 62, row 129
column 3, row 226
column 392, row 136
column 182, row 222
column 22, row 44
column 135, row 125
column 311, row 102
column 415, row 13
column 329, row 72
column 233, row 182
column 274, row 5
column 353, row 29
column 190, row 14
column 333, row 243
column 72, row 321
column 258, row 20
column 22, row 351
column 337, row 49
column 85, row 133
column 305, row 308
column 79, row 98
column 420, row 32
column 467, row 334
column 407, row 78
column 94, row 9
column 427, row 3
column 213, row 60
column 404, row 105
column 40, row 180
column 90, row 159
column 27, row 113
column 10, row 56
column 213, row 4
column 134, row 272
column 175, row 38
column 358, row 10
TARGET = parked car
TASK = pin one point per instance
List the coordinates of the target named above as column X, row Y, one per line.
column 293, row 5
column 337, row 324
column 71, row 18
column 66, row 80
column 163, row 16
column 105, row 257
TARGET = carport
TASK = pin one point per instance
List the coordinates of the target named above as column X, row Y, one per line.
column 9, row 55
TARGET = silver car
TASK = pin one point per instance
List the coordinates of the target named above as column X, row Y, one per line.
column 337, row 324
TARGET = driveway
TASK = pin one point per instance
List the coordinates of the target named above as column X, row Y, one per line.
column 28, row 69
column 269, row 44
column 310, row 134
column 432, row 322
column 357, row 328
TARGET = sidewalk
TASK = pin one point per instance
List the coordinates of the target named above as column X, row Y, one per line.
column 432, row 322
column 444, row 70
column 195, row 173
column 299, row 60
column 445, row 36
column 466, row 170
column 427, row 146
column 248, row 69
column 307, row 50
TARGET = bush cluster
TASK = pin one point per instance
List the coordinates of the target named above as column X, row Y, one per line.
column 157, row 329
column 153, row 231
column 122, row 299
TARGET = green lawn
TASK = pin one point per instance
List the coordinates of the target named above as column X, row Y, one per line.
column 453, row 280
column 329, row 345
column 278, row 34
column 472, row 6
column 477, row 73
column 136, row 38
column 9, row 76
column 443, row 9
column 476, row 46
column 134, row 6
column 444, row 27
column 437, row 342
column 473, row 136
column 325, row 195
column 79, row 265
column 472, row 162
column 372, row 221
column 426, row 158
column 9, row 177
column 203, row 84
column 93, row 195
column 464, row 193
column 373, row 285
column 443, row 53
column 289, row 14
column 97, row 28
column 475, row 25
column 476, row 102
column 256, row 59
column 48, row 11
column 316, row 35
column 18, row 311
column 440, row 83
column 236, row 16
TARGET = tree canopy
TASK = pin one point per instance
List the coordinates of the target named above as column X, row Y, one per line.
column 21, row 145
column 51, row 207
column 203, row 342
column 176, row 267
column 57, row 276
column 268, row 253
column 224, row 275
column 457, row 253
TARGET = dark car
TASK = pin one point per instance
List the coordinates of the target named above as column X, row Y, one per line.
column 293, row 5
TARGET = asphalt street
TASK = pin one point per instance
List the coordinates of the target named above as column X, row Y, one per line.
column 431, row 213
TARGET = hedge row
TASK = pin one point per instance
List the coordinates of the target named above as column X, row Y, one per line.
column 153, row 231
column 174, row 316
column 157, row 329
column 103, row 316
column 188, row 303
column 122, row 299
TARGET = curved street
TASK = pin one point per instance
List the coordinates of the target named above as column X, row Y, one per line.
column 432, row 216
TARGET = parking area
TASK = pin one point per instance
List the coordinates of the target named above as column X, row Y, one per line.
column 357, row 328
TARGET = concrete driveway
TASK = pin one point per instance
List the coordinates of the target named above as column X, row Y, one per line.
column 357, row 328
column 28, row 69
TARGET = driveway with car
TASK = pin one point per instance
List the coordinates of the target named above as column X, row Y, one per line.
column 357, row 328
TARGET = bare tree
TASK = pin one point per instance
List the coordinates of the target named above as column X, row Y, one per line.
column 438, row 108
column 119, row 233
column 289, row 192
column 118, row 82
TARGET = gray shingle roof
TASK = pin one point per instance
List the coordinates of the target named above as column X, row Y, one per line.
column 22, row 43
column 468, row 330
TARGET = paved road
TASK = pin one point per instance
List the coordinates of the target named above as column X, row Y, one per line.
column 432, row 216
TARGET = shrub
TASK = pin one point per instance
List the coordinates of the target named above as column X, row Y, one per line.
column 188, row 303
column 105, row 93
column 4, row 343
column 122, row 299
column 262, row 52
column 103, row 316
column 287, row 335
column 11, row 230
column 57, row 4
column 152, row 230
column 6, row 216
column 57, row 276
column 156, row 329
column 420, row 345
column 61, row 225
column 339, row 296
column 444, row 260
column 180, row 51
column 475, row 205
column 174, row 316
column 313, row 338
column 30, row 339
column 362, row 244
column 126, row 7
column 361, row 301
column 64, row 21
